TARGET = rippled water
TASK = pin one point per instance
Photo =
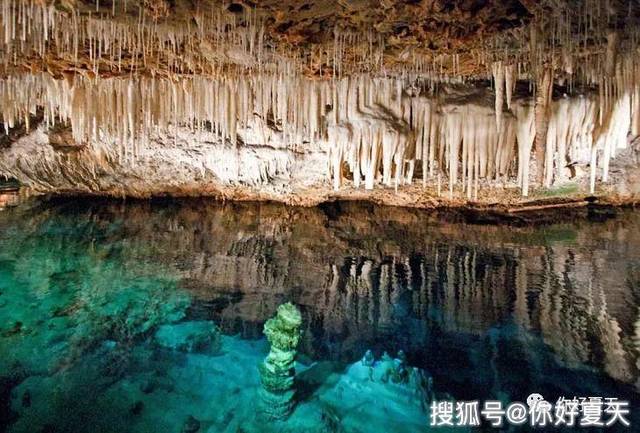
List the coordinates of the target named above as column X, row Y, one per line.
column 489, row 312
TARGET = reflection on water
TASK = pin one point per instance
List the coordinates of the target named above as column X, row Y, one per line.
column 488, row 311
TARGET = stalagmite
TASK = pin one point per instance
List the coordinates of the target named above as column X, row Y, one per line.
column 277, row 373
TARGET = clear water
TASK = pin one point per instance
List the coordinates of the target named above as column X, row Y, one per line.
column 489, row 312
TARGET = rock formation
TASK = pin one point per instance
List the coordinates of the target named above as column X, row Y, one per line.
column 395, row 373
column 312, row 102
column 277, row 372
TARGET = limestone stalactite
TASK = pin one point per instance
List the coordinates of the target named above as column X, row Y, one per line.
column 543, row 104
column 378, row 128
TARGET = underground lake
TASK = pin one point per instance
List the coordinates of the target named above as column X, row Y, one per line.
column 148, row 316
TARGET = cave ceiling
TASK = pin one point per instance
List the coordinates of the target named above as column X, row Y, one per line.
column 317, row 38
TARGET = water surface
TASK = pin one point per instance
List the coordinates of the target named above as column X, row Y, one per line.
column 489, row 312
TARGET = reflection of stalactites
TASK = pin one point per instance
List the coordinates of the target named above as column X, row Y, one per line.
column 544, row 286
column 421, row 293
column 572, row 320
column 453, row 278
column 334, row 285
column 562, row 325
column 396, row 282
column 366, row 306
column 570, row 342
column 466, row 276
column 636, row 345
column 449, row 301
column 247, row 262
column 351, row 290
column 358, row 289
column 406, row 264
column 383, row 294
column 616, row 361
column 331, row 302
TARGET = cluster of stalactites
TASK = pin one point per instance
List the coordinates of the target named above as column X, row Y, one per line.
column 213, row 40
column 383, row 134
column 127, row 110
column 381, row 130
column 580, row 42
column 576, row 128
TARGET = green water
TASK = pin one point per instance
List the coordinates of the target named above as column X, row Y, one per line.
column 108, row 312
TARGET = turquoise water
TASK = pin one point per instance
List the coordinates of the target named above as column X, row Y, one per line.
column 110, row 311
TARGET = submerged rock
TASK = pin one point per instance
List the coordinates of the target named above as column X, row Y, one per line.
column 13, row 329
column 362, row 397
column 191, row 425
column 399, row 372
column 368, row 360
column 26, row 399
column 394, row 372
column 277, row 371
column 136, row 408
column 147, row 386
column 197, row 336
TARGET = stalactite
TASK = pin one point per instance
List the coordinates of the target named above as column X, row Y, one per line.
column 543, row 102
column 612, row 133
column 510, row 83
column 525, row 134
column 499, row 83
column 376, row 128
column 635, row 111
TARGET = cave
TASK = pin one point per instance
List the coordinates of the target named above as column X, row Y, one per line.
column 353, row 216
